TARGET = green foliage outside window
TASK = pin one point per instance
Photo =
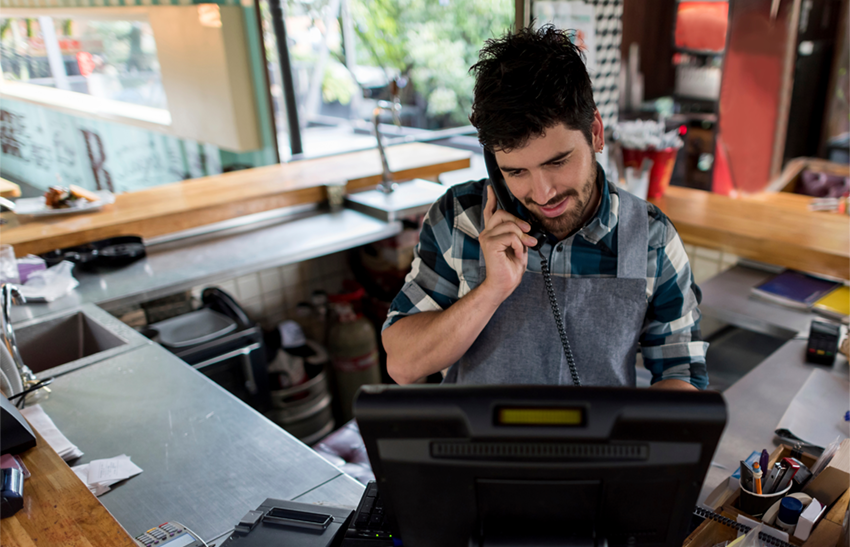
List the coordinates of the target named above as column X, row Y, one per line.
column 432, row 43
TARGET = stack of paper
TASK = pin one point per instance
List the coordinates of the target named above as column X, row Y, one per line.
column 99, row 475
column 37, row 418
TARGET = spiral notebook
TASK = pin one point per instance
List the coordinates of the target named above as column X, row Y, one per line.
column 743, row 528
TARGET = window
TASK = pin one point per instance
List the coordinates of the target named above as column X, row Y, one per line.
column 113, row 60
column 345, row 54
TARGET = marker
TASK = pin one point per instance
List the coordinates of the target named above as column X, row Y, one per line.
column 764, row 460
column 757, row 477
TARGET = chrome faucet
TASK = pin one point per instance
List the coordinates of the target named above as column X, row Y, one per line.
column 9, row 295
column 387, row 185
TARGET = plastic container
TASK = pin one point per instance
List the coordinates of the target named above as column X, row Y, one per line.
column 663, row 162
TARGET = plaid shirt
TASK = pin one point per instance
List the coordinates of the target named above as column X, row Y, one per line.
column 447, row 261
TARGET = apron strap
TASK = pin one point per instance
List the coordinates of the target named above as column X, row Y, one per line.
column 632, row 236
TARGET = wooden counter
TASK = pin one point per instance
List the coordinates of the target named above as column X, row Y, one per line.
column 776, row 228
column 9, row 189
column 59, row 509
column 179, row 206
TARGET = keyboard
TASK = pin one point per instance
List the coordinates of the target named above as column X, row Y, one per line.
column 369, row 526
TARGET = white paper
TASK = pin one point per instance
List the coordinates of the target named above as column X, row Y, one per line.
column 36, row 416
column 112, row 469
column 816, row 414
column 99, row 475
column 50, row 284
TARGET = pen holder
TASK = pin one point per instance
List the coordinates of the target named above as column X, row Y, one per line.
column 756, row 504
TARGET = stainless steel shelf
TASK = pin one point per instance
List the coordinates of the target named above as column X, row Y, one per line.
column 210, row 258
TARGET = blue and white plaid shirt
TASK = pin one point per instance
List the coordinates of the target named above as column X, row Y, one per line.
column 447, row 261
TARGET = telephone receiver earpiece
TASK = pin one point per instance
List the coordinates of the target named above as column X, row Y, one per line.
column 503, row 196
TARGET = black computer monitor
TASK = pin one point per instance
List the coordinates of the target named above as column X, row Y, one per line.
column 539, row 465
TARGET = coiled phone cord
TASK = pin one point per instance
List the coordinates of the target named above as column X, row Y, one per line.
column 559, row 322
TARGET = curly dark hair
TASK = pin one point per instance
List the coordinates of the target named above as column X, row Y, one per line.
column 526, row 82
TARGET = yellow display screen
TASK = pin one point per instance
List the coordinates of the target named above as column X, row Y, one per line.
column 540, row 416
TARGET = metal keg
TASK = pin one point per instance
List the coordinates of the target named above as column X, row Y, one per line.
column 304, row 410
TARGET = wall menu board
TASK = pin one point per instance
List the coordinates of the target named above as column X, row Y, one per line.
column 44, row 147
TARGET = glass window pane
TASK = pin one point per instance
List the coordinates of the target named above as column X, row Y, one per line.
column 114, row 60
column 345, row 54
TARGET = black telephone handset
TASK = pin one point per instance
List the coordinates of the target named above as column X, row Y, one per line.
column 503, row 196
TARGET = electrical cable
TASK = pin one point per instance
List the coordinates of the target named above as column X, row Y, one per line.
column 559, row 322
column 43, row 383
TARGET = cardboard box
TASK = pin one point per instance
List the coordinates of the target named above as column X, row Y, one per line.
column 834, row 479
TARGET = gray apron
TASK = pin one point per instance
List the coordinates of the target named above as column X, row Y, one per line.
column 603, row 318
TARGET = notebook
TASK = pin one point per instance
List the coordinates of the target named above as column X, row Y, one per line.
column 794, row 289
column 835, row 305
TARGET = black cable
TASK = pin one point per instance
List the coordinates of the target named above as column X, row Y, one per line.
column 43, row 383
column 559, row 322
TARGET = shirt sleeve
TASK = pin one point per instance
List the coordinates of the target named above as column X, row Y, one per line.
column 432, row 284
column 671, row 343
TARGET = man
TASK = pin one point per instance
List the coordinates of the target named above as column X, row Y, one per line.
column 475, row 301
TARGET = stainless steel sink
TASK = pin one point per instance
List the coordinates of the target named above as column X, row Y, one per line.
column 67, row 342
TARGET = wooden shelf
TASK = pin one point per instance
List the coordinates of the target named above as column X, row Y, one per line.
column 183, row 205
column 776, row 228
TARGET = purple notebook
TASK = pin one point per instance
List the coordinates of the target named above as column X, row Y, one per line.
column 794, row 289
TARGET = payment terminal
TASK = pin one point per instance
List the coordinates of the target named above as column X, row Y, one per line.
column 170, row 534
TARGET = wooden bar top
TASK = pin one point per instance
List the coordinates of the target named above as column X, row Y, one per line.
column 776, row 228
column 9, row 189
column 59, row 509
column 179, row 206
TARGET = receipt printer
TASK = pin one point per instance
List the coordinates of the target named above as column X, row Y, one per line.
column 12, row 484
column 16, row 435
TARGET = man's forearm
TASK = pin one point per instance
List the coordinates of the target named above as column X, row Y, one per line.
column 672, row 383
column 428, row 342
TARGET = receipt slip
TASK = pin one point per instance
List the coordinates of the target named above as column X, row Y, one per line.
column 100, row 475
column 37, row 418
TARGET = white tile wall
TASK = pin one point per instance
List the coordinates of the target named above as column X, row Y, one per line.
column 706, row 263
column 270, row 296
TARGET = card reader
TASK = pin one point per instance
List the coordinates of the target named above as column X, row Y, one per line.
column 823, row 343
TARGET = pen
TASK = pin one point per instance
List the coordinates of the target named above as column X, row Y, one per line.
column 764, row 460
column 757, row 477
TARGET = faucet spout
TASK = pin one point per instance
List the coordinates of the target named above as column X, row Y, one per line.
column 387, row 185
column 9, row 295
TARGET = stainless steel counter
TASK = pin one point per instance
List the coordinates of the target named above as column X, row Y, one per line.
column 207, row 457
column 727, row 297
column 180, row 265
column 756, row 403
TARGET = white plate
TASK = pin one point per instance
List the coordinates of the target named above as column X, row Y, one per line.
column 35, row 206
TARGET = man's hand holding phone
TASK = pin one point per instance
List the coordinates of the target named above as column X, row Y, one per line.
column 504, row 242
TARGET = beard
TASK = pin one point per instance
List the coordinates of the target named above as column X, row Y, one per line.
column 571, row 219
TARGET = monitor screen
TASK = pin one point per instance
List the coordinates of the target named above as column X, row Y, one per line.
column 539, row 465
